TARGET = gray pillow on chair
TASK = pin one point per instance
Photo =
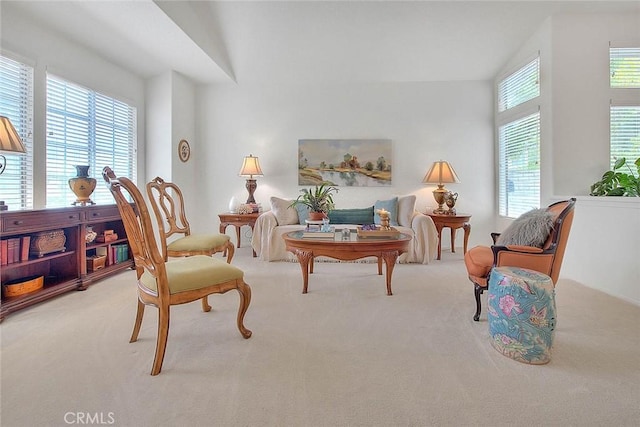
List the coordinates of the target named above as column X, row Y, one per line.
column 530, row 229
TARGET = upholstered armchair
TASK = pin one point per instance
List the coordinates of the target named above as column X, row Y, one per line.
column 547, row 258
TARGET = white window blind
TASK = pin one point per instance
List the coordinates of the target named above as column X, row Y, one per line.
column 625, row 133
column 624, row 67
column 519, row 87
column 16, row 103
column 519, row 141
column 519, row 166
column 86, row 128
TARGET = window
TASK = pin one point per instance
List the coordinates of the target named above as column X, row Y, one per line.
column 86, row 128
column 624, row 117
column 519, row 141
column 520, row 86
column 625, row 133
column 624, row 67
column 16, row 103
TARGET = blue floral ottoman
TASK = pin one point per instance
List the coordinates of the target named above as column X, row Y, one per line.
column 522, row 314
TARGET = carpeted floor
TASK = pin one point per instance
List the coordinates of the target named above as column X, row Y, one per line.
column 345, row 354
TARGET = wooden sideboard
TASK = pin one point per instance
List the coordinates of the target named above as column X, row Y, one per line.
column 63, row 270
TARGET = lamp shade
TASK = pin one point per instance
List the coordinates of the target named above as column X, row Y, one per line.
column 9, row 138
column 250, row 167
column 441, row 172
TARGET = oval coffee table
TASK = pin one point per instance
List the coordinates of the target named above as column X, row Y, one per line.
column 383, row 248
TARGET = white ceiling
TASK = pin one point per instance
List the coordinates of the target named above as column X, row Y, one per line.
column 307, row 41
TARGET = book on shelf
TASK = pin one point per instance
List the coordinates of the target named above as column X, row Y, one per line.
column 4, row 248
column 25, row 242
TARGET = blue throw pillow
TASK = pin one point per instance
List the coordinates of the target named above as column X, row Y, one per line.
column 303, row 213
column 391, row 206
column 352, row 216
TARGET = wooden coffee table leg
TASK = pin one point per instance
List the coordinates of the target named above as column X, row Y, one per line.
column 390, row 259
column 379, row 266
column 304, row 257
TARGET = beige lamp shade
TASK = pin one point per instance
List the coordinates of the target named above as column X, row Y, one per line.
column 441, row 172
column 250, row 167
column 9, row 141
column 9, row 138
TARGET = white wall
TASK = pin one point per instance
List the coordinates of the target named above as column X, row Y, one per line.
column 30, row 41
column 425, row 121
column 603, row 251
column 581, row 95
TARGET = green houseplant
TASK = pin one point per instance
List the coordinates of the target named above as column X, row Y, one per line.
column 319, row 200
column 616, row 183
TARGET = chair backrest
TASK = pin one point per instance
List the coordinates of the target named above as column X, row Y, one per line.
column 168, row 206
column 139, row 229
column 557, row 241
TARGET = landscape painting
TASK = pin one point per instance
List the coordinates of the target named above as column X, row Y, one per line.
column 344, row 162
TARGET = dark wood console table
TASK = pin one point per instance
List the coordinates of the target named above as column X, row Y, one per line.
column 63, row 270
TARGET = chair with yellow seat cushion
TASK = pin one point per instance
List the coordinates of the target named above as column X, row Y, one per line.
column 163, row 283
column 547, row 258
column 168, row 206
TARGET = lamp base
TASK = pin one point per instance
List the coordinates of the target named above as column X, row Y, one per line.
column 251, row 188
column 438, row 195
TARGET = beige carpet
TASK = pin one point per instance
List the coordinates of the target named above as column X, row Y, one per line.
column 345, row 354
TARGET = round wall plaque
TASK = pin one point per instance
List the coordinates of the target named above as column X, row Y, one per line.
column 184, row 151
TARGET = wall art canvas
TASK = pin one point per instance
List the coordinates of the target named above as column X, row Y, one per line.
column 345, row 162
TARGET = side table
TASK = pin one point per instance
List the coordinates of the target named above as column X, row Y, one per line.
column 238, row 220
column 459, row 220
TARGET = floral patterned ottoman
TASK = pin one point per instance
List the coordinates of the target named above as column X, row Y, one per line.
column 522, row 314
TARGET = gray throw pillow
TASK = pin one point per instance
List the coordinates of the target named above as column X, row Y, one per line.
column 530, row 229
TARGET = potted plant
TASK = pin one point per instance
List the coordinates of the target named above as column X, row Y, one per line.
column 319, row 200
column 615, row 183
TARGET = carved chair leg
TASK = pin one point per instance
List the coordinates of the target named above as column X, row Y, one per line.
column 161, row 342
column 136, row 326
column 478, row 290
column 245, row 299
column 229, row 251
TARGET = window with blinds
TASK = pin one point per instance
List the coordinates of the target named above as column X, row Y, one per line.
column 16, row 103
column 520, row 87
column 624, row 117
column 86, row 128
column 519, row 165
column 625, row 133
column 519, row 141
column 624, row 67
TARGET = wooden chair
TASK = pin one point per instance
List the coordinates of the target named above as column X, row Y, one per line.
column 168, row 206
column 164, row 283
column 548, row 259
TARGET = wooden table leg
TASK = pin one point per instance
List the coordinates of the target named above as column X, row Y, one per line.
column 467, row 231
column 439, row 229
column 238, row 227
column 453, row 240
column 304, row 257
column 390, row 259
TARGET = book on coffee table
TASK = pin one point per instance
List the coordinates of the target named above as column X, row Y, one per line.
column 317, row 234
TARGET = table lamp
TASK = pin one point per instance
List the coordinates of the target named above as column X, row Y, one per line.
column 251, row 168
column 441, row 173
